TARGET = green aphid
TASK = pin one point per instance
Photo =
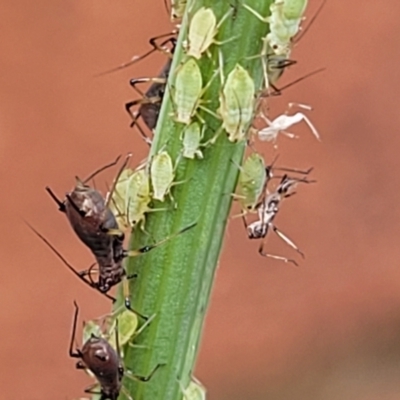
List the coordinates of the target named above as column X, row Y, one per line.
column 237, row 100
column 162, row 174
column 202, row 31
column 188, row 89
column 106, row 328
column 293, row 10
column 191, row 139
column 253, row 178
column 131, row 198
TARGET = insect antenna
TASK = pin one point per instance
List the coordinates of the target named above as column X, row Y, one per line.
column 61, row 204
column 80, row 275
column 312, row 20
column 278, row 91
column 92, row 175
column 156, row 47
column 114, row 184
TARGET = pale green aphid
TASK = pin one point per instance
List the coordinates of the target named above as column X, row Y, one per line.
column 293, row 10
column 131, row 198
column 237, row 100
column 118, row 199
column 194, row 391
column 284, row 23
column 188, row 89
column 139, row 197
column 162, row 173
column 106, row 327
column 187, row 92
column 252, row 182
column 202, row 31
column 191, row 140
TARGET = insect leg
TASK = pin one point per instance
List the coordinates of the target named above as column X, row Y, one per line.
column 127, row 295
column 91, row 389
column 126, row 393
column 140, row 330
column 80, row 275
column 143, row 378
column 281, row 258
column 156, row 47
column 147, row 248
column 287, row 240
column 93, row 174
column 61, row 204
column 72, row 353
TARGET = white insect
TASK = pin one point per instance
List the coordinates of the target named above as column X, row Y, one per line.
column 283, row 122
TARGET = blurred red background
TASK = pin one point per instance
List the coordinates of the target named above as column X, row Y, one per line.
column 329, row 329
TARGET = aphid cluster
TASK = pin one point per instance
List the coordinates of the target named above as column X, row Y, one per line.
column 100, row 222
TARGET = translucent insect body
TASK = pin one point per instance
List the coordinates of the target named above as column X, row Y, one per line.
column 162, row 173
column 202, row 31
column 237, row 100
column 131, row 199
column 283, row 122
column 187, row 91
column 191, row 141
column 252, row 181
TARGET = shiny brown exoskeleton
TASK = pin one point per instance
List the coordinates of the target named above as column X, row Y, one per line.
column 96, row 226
column 267, row 211
column 99, row 357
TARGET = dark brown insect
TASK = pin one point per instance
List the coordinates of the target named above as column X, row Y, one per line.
column 96, row 226
column 99, row 357
column 267, row 211
column 149, row 102
column 94, row 223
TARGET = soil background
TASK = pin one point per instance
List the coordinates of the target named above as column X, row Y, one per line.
column 329, row 329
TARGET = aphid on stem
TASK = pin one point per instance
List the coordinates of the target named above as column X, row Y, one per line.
column 99, row 357
column 187, row 92
column 203, row 28
column 132, row 197
column 237, row 102
column 191, row 137
column 162, row 174
column 122, row 323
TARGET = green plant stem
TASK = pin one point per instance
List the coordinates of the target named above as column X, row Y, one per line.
column 175, row 280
